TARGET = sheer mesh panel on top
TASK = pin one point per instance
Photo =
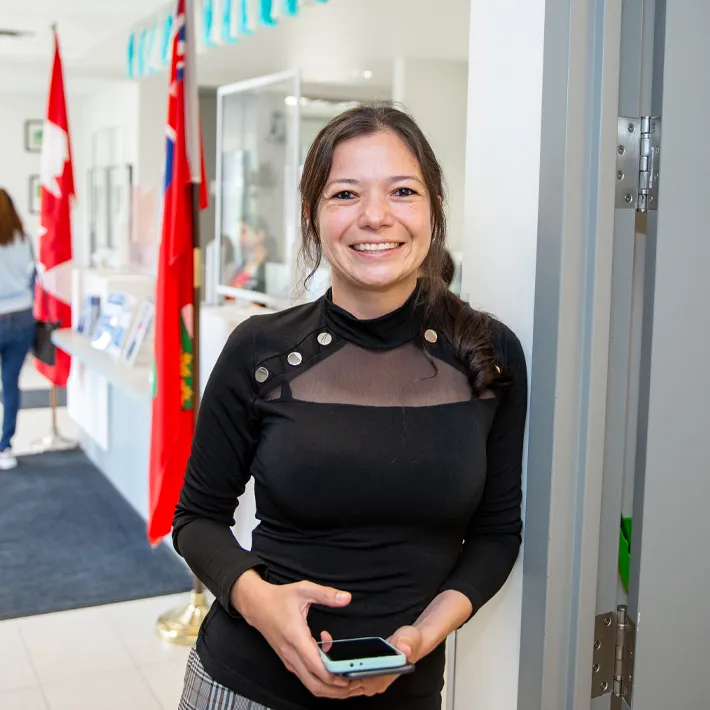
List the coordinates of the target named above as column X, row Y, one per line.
column 401, row 377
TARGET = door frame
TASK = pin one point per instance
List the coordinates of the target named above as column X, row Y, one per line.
column 594, row 291
column 572, row 337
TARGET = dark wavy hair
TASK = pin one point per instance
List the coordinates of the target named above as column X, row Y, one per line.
column 469, row 331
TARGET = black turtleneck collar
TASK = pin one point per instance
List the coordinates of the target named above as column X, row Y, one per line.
column 388, row 331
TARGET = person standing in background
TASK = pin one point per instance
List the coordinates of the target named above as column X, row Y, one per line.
column 17, row 324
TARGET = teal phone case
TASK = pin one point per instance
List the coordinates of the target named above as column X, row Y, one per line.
column 375, row 673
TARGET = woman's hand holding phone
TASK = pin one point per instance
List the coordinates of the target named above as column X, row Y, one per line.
column 408, row 639
column 279, row 613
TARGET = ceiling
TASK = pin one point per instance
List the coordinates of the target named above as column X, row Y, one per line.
column 84, row 27
column 332, row 43
column 338, row 41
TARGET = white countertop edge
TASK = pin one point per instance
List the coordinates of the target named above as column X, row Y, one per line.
column 135, row 379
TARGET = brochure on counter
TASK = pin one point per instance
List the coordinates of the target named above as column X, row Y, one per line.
column 89, row 316
column 114, row 323
column 142, row 326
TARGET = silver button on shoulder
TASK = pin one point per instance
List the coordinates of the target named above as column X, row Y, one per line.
column 431, row 335
column 261, row 375
column 294, row 358
column 325, row 338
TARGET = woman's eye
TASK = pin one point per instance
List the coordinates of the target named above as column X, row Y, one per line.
column 404, row 192
column 344, row 195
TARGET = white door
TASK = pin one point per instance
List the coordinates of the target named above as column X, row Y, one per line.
column 670, row 562
column 657, row 448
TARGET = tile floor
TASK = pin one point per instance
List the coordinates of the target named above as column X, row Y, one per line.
column 101, row 658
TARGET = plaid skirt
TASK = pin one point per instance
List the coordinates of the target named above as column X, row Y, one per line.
column 201, row 692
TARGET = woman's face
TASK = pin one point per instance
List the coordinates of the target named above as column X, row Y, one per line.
column 375, row 215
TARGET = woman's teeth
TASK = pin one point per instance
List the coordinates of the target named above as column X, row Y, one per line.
column 375, row 247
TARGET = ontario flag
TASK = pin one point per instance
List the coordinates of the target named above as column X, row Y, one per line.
column 173, row 414
column 54, row 253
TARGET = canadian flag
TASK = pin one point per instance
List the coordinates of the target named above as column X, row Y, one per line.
column 54, row 253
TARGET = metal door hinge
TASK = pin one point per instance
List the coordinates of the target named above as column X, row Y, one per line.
column 613, row 661
column 638, row 161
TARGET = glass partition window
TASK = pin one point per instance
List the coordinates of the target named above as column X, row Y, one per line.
column 257, row 172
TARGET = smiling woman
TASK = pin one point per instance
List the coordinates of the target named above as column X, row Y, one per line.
column 376, row 217
column 383, row 426
column 364, row 182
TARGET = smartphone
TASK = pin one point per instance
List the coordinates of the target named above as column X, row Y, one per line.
column 371, row 655
column 400, row 670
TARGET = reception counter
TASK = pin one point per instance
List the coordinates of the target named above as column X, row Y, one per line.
column 110, row 403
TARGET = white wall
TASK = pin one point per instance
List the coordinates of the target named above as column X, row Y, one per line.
column 151, row 117
column 16, row 164
column 136, row 112
column 500, row 252
column 115, row 107
column 435, row 91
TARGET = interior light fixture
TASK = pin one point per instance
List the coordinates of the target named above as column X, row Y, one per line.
column 14, row 34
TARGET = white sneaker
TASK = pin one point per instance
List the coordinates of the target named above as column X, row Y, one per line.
column 7, row 460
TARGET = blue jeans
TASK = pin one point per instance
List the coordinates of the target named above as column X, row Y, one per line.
column 16, row 336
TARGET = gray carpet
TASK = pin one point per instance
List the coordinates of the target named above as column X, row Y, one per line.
column 39, row 399
column 68, row 539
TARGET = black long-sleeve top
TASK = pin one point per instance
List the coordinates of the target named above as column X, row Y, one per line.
column 376, row 471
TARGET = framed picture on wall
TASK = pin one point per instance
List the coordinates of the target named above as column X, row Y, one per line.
column 34, row 131
column 35, row 195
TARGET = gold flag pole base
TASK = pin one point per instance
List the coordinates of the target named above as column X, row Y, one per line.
column 181, row 625
column 53, row 441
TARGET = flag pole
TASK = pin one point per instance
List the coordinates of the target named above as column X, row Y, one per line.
column 54, row 440
column 198, row 588
column 182, row 625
